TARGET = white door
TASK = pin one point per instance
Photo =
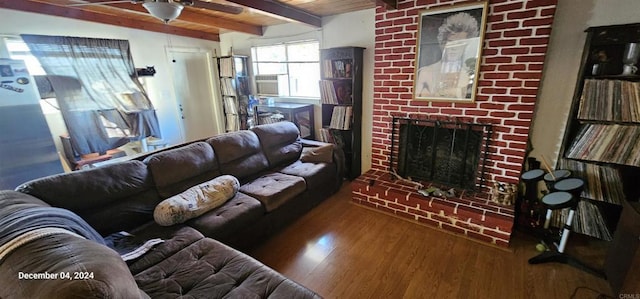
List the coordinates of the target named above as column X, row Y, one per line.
column 198, row 104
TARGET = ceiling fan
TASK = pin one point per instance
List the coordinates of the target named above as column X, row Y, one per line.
column 169, row 10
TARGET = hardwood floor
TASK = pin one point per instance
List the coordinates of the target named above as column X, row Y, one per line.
column 342, row 250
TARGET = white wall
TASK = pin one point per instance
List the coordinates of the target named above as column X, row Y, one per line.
column 360, row 33
column 147, row 48
column 357, row 29
column 563, row 62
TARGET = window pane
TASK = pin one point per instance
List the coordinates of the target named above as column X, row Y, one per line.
column 304, row 52
column 271, row 53
column 19, row 50
column 295, row 79
column 268, row 68
column 303, row 79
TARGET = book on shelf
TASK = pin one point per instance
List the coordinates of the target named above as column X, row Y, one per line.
column 607, row 143
column 335, row 92
column 610, row 100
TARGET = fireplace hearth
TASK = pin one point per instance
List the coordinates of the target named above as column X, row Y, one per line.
column 439, row 154
column 449, row 152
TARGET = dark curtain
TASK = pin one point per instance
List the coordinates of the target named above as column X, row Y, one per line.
column 103, row 104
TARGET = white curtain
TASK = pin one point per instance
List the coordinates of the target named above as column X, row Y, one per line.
column 94, row 80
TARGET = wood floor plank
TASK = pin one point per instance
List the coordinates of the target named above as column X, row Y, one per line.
column 342, row 250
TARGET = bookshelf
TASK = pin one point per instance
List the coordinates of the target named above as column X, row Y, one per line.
column 341, row 97
column 235, row 90
column 600, row 142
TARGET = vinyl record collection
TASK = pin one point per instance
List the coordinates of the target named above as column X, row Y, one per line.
column 226, row 67
column 337, row 68
column 227, row 87
column 607, row 143
column 610, row 100
column 602, row 181
column 602, row 184
column 335, row 92
column 326, row 136
column 341, row 117
column 231, row 111
column 587, row 221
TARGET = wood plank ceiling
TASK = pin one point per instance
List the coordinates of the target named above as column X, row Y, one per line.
column 205, row 19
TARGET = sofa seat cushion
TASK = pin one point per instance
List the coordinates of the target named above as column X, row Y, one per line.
column 239, row 212
column 316, row 175
column 274, row 189
column 175, row 238
column 210, row 269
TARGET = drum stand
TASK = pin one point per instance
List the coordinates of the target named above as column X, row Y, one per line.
column 558, row 201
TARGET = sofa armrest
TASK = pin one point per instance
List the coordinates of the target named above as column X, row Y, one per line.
column 65, row 266
column 312, row 143
column 338, row 154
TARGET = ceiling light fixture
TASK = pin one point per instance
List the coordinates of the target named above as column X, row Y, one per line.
column 165, row 10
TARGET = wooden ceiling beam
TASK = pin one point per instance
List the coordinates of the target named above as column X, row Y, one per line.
column 388, row 4
column 282, row 10
column 43, row 8
column 190, row 15
column 206, row 20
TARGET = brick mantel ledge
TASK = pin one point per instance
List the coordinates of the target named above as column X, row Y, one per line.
column 469, row 214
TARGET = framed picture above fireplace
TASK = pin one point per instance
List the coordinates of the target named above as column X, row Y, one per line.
column 449, row 48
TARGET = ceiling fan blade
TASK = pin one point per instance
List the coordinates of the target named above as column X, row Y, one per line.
column 217, row 7
column 104, row 2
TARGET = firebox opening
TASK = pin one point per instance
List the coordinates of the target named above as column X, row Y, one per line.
column 448, row 152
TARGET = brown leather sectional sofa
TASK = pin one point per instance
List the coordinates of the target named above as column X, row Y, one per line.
column 198, row 259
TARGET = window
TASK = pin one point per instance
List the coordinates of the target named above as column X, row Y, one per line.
column 295, row 65
column 18, row 50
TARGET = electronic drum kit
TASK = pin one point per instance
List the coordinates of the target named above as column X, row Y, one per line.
column 563, row 192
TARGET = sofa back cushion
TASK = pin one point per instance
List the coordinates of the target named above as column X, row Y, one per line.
column 280, row 142
column 239, row 154
column 176, row 170
column 121, row 191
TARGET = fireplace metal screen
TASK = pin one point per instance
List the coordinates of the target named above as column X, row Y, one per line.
column 452, row 153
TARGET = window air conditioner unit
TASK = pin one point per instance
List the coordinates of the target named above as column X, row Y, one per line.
column 270, row 85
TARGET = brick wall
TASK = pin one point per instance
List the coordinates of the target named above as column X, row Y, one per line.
column 515, row 43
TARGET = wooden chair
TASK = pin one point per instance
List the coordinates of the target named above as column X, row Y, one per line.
column 77, row 162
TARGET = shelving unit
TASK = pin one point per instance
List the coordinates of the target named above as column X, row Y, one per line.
column 235, row 86
column 600, row 143
column 341, row 94
column 299, row 114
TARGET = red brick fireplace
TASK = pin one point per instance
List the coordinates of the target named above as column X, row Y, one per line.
column 515, row 43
